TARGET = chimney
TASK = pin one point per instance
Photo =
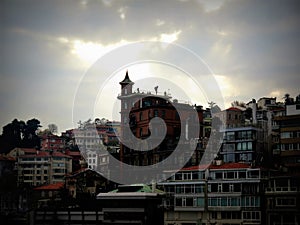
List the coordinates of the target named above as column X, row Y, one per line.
column 254, row 111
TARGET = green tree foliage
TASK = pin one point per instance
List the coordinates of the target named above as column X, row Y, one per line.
column 20, row 134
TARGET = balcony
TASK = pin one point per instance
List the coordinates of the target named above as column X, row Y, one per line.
column 281, row 189
column 276, row 151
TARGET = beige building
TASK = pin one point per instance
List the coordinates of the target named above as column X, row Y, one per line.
column 42, row 167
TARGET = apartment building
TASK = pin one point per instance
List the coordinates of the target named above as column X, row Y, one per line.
column 243, row 144
column 229, row 193
column 43, row 168
column 52, row 142
column 282, row 199
column 286, row 139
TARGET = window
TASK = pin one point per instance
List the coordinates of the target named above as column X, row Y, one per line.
column 141, row 132
column 253, row 174
column 195, row 175
column 219, row 187
column 242, row 174
column 228, row 147
column 179, row 189
column 141, row 116
column 155, row 113
column 178, row 176
column 284, row 135
column 230, row 215
column 229, row 175
column 245, row 157
column 189, row 202
column 183, row 201
column 199, row 188
column 285, row 201
column 219, row 175
column 233, row 202
column 186, row 176
column 251, row 201
column 188, row 189
column 230, row 136
column 251, row 215
column 212, row 201
column 229, row 157
column 200, row 202
column 178, row 202
column 163, row 114
column 177, row 117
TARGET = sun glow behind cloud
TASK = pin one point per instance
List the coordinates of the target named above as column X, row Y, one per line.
column 89, row 52
column 169, row 38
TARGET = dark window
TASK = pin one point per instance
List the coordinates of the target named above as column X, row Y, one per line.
column 141, row 115
column 163, row 114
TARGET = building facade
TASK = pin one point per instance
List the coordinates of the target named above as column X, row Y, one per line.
column 52, row 142
column 217, row 194
column 42, row 168
column 282, row 199
column 243, row 144
column 139, row 108
column 286, row 138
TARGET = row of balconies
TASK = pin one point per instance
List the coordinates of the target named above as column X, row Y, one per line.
column 281, row 189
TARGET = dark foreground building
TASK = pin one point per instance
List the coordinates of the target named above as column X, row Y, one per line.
column 132, row 204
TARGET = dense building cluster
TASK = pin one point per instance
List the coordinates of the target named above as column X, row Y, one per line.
column 253, row 177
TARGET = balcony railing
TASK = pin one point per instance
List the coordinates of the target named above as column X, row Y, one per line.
column 281, row 189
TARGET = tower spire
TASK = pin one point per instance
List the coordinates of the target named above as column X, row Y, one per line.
column 126, row 79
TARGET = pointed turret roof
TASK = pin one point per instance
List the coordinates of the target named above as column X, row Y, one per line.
column 126, row 79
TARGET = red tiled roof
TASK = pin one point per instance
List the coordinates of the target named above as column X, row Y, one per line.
column 7, row 158
column 46, row 154
column 82, row 170
column 230, row 166
column 50, row 187
column 78, row 171
column 199, row 167
column 233, row 109
column 223, row 166
column 72, row 153
column 28, row 150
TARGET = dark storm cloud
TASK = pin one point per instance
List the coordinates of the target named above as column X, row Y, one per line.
column 254, row 44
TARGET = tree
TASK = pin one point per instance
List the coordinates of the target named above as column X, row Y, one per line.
column 237, row 103
column 53, row 128
column 287, row 99
column 298, row 99
column 213, row 107
column 211, row 104
column 19, row 134
column 31, row 139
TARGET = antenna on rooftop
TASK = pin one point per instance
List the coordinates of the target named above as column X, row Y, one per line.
column 155, row 88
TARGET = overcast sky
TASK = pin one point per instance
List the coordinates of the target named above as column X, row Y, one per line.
column 48, row 47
